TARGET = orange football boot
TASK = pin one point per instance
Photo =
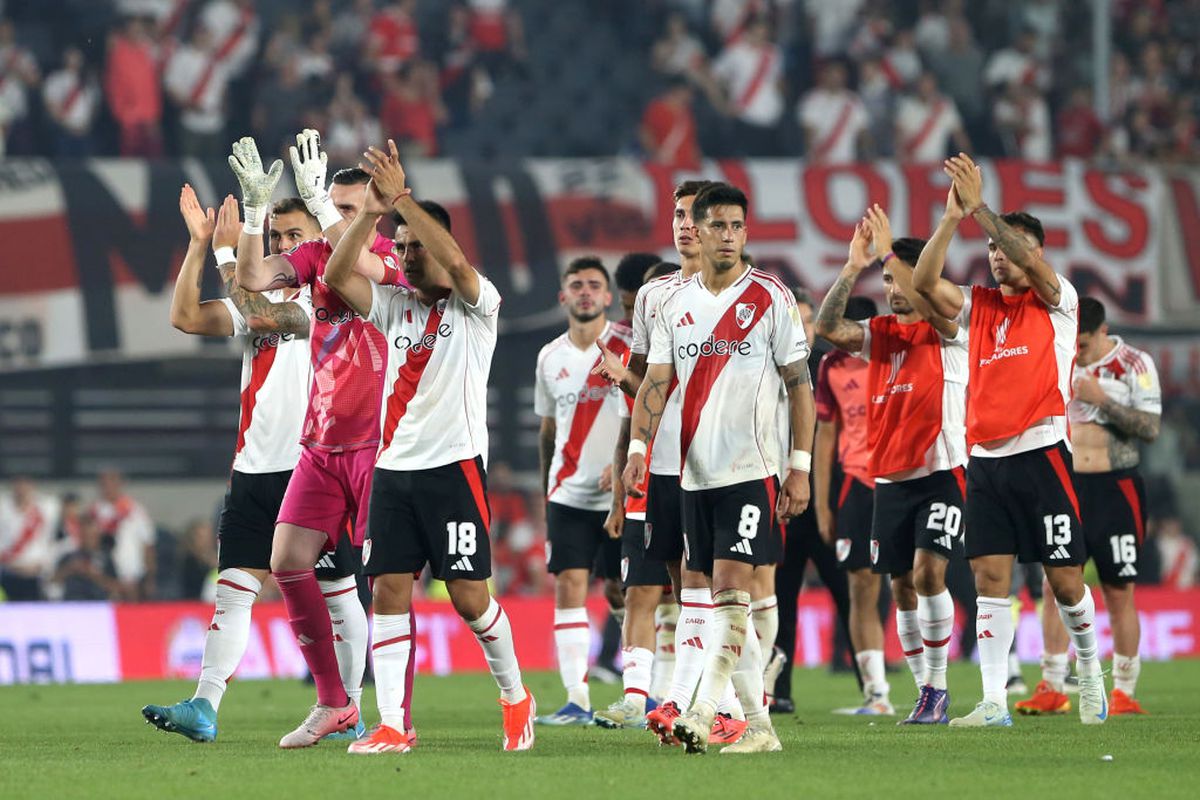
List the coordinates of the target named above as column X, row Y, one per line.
column 1121, row 703
column 518, row 722
column 1045, row 700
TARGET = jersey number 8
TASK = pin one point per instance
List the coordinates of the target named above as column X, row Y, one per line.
column 748, row 523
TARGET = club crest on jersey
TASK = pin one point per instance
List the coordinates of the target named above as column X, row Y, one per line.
column 366, row 551
column 842, row 549
column 743, row 314
column 647, row 532
column 874, row 551
column 624, row 569
column 897, row 363
column 1001, row 349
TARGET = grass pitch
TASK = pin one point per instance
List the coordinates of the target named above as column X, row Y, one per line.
column 90, row 741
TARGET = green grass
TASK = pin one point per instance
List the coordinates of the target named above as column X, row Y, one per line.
column 90, row 741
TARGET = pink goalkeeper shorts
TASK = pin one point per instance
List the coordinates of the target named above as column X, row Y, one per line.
column 328, row 491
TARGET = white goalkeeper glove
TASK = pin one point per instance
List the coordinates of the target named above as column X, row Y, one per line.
column 309, row 165
column 257, row 186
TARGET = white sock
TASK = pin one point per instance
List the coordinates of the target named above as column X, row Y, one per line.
column 730, row 704
column 730, row 622
column 666, row 615
column 639, row 663
column 225, row 642
column 1125, row 672
column 765, row 612
column 691, row 638
column 1055, row 669
column 908, row 628
column 350, row 632
column 935, row 615
column 994, row 630
column 494, row 634
column 748, row 679
column 572, row 639
column 1080, row 620
column 874, row 673
column 389, row 655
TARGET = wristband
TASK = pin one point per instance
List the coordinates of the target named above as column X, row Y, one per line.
column 255, row 215
column 225, row 255
column 403, row 193
column 801, row 461
column 326, row 212
column 887, row 258
column 637, row 448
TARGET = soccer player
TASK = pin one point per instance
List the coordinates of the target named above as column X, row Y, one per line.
column 841, row 400
column 1117, row 403
column 734, row 339
column 663, row 535
column 916, row 387
column 1021, row 501
column 579, row 413
column 331, row 484
column 272, row 328
column 429, row 500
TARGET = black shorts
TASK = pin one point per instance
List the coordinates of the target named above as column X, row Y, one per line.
column 247, row 527
column 921, row 514
column 1024, row 505
column 731, row 522
column 664, row 518
column 435, row 516
column 1113, row 508
column 576, row 539
column 852, row 524
column 637, row 568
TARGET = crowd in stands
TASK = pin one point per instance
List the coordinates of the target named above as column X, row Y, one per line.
column 831, row 80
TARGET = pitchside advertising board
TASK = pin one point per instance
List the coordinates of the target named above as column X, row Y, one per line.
column 102, row 642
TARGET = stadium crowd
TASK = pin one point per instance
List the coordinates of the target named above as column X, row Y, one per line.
column 832, row 80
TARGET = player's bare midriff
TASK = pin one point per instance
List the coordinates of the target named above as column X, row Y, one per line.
column 1091, row 443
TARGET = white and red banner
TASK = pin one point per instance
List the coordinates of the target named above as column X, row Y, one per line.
column 92, row 247
column 102, row 642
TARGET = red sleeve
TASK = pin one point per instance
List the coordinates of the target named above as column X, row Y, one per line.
column 823, row 395
column 305, row 258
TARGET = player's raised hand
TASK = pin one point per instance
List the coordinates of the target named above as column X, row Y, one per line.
column 1088, row 389
column 860, row 247
column 611, row 365
column 310, row 164
column 257, row 185
column 793, row 496
column 229, row 226
column 199, row 221
column 968, row 181
column 881, row 230
column 385, row 170
column 375, row 203
column 614, row 522
column 634, row 475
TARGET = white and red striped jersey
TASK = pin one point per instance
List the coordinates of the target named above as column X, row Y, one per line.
column 586, row 413
column 727, row 349
column 27, row 534
column 276, row 372
column 751, row 75
column 665, row 458
column 435, row 395
column 1127, row 375
column 925, row 128
column 834, row 121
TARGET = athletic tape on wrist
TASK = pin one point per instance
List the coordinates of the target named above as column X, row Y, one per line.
column 255, row 215
column 801, row 461
column 225, row 255
column 637, row 448
column 326, row 212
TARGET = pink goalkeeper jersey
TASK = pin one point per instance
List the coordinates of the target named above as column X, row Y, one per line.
column 349, row 357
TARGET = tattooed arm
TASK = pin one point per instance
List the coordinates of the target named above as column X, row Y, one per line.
column 262, row 315
column 831, row 323
column 944, row 298
column 188, row 314
column 546, row 436
column 647, row 413
column 1130, row 422
column 616, row 515
column 796, row 491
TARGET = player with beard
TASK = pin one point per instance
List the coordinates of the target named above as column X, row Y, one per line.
column 579, row 413
column 1117, row 404
column 735, row 340
column 1021, row 500
column 916, row 384
column 272, row 328
column 330, row 487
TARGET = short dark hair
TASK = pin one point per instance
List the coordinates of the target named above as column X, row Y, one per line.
column 908, row 249
column 436, row 210
column 1026, row 222
column 660, row 269
column 351, row 176
column 631, row 270
column 584, row 263
column 803, row 296
column 690, row 189
column 289, row 205
column 859, row 308
column 1091, row 314
column 718, row 194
